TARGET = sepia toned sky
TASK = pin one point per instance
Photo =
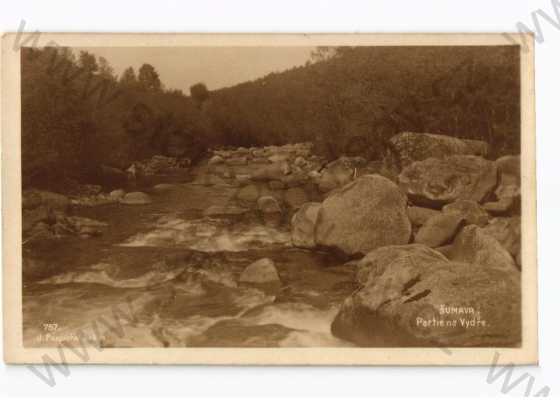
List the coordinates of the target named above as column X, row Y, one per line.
column 217, row 67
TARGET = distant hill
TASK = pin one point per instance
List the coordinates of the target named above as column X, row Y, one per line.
column 354, row 98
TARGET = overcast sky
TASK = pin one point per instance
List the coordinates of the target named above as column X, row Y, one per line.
column 217, row 67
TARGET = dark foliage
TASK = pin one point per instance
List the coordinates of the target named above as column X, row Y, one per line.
column 77, row 117
column 199, row 93
column 353, row 99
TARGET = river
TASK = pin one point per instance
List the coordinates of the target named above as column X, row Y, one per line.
column 178, row 271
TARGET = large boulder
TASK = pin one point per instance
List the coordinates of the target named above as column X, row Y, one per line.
column 375, row 262
column 411, row 146
column 508, row 232
column 435, row 182
column 269, row 172
column 135, row 198
column 412, row 296
column 509, row 168
column 303, row 225
column 338, row 173
column 439, row 229
column 420, row 215
column 268, row 205
column 473, row 245
column 363, row 215
column 471, row 211
column 508, row 192
column 261, row 271
column 295, row 197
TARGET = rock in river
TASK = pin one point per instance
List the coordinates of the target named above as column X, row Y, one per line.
column 163, row 187
column 268, row 204
column 270, row 172
column 216, row 159
column 136, row 198
column 242, row 160
column 303, row 225
column 249, row 193
column 412, row 296
column 219, row 211
column 435, row 182
column 117, row 194
column 363, row 215
column 261, row 271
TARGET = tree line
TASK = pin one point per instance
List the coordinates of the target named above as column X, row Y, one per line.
column 77, row 114
column 353, row 99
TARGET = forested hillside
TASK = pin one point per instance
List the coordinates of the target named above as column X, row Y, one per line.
column 354, row 99
column 77, row 114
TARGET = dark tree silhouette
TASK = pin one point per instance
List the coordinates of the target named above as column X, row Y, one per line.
column 87, row 62
column 149, row 78
column 199, row 93
column 128, row 77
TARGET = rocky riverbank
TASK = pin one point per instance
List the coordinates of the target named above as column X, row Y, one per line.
column 370, row 250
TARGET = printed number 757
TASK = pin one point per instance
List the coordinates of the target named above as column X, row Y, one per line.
column 50, row 327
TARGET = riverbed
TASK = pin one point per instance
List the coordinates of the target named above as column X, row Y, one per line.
column 174, row 274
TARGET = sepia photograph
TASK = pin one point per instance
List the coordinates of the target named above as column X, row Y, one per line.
column 352, row 194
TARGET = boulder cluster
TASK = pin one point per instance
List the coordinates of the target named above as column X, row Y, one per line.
column 156, row 165
column 433, row 231
column 273, row 180
column 47, row 215
column 443, row 233
column 289, row 175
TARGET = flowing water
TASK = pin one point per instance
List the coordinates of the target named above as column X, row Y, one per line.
column 178, row 272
